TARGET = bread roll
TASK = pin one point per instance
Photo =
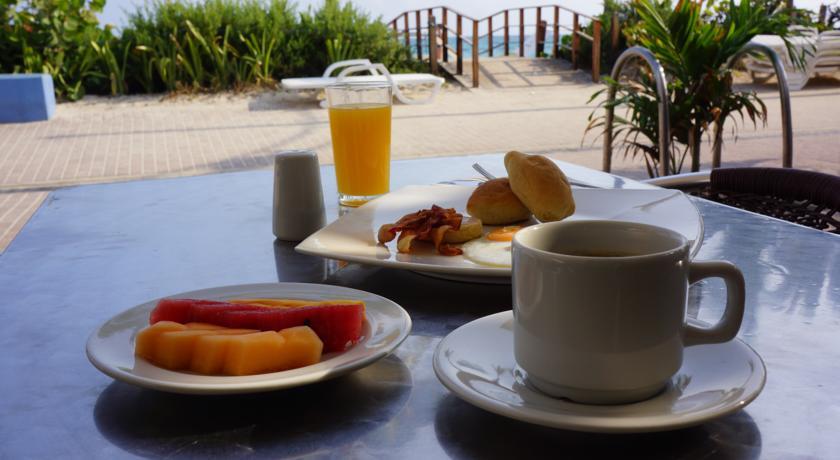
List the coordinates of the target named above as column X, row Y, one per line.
column 540, row 185
column 471, row 229
column 495, row 203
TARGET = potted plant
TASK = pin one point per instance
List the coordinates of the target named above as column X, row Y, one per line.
column 694, row 44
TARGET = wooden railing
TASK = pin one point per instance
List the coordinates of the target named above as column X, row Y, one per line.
column 451, row 22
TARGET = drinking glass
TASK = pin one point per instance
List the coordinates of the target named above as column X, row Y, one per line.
column 360, row 125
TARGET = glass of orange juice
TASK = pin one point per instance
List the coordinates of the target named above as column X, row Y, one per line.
column 360, row 124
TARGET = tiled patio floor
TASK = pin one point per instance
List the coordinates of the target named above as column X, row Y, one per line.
column 104, row 140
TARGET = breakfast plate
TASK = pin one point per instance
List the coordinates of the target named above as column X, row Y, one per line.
column 353, row 237
column 111, row 347
column 476, row 363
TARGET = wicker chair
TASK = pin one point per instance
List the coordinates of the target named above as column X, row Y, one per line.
column 803, row 197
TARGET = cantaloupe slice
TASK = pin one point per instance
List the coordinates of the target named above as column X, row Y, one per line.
column 174, row 350
column 254, row 353
column 147, row 339
column 302, row 348
column 210, row 349
column 210, row 354
column 273, row 351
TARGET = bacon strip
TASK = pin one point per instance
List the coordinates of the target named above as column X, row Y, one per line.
column 423, row 225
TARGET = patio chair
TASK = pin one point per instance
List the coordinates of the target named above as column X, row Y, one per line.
column 825, row 57
column 376, row 73
column 807, row 198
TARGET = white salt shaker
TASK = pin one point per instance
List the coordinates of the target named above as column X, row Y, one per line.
column 298, row 197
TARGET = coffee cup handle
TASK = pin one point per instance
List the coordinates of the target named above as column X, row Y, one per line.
column 728, row 326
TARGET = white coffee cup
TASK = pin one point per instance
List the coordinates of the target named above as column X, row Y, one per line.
column 599, row 308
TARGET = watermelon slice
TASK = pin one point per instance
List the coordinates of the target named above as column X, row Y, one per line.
column 337, row 325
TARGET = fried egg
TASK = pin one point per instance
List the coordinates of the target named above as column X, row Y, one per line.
column 493, row 249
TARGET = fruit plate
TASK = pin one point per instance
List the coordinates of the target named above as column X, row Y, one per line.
column 353, row 236
column 111, row 347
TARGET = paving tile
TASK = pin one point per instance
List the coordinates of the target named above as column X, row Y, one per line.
column 129, row 138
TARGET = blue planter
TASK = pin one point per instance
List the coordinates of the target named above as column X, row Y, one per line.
column 26, row 97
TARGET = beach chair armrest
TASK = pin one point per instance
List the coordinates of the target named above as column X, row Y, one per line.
column 374, row 69
column 352, row 62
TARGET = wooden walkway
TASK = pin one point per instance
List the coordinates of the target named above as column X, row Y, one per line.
column 519, row 72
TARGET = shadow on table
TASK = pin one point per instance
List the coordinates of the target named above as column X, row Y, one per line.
column 293, row 266
column 307, row 420
column 436, row 306
column 465, row 431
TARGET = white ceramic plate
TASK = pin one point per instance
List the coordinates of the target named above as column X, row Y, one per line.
column 353, row 236
column 111, row 347
column 476, row 363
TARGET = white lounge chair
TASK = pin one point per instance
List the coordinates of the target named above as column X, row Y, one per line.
column 376, row 73
column 824, row 57
column 828, row 52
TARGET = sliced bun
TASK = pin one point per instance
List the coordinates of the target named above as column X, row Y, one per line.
column 471, row 229
column 495, row 203
column 540, row 184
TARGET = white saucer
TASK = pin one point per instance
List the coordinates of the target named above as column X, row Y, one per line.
column 111, row 347
column 476, row 363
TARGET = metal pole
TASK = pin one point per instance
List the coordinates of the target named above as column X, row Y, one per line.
column 662, row 95
column 784, row 97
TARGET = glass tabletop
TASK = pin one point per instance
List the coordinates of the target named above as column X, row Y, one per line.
column 91, row 252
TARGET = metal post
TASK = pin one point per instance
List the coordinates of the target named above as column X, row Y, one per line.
column 555, row 52
column 459, row 60
column 575, row 41
column 664, row 133
column 521, row 32
column 419, row 36
column 490, row 36
column 507, row 35
column 445, row 37
column 475, row 54
column 784, row 97
column 596, row 52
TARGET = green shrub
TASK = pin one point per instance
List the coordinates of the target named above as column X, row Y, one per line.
column 57, row 37
column 178, row 45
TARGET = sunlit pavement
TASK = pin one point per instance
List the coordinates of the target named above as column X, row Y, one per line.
column 129, row 138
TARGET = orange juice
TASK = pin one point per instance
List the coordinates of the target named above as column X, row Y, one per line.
column 361, row 137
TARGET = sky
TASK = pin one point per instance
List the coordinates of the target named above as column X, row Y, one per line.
column 114, row 12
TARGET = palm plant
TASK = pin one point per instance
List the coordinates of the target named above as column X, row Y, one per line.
column 694, row 46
